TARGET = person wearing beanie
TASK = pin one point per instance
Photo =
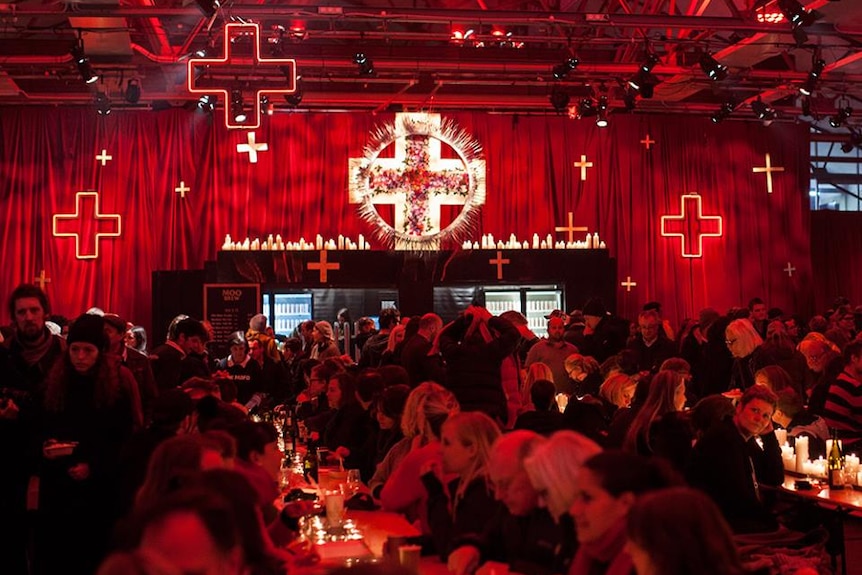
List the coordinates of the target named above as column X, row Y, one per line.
column 257, row 332
column 91, row 408
column 323, row 345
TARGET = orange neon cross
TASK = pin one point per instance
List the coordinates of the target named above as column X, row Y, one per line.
column 691, row 225
column 90, row 221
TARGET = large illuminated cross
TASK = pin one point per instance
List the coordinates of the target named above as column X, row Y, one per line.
column 90, row 221
column 248, row 72
column 417, row 181
column 691, row 226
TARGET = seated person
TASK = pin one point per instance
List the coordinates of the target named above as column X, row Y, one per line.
column 259, row 461
column 463, row 505
column 523, row 534
column 546, row 417
column 729, row 465
column 349, row 425
column 791, row 414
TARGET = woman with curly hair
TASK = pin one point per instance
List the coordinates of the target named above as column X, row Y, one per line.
column 92, row 406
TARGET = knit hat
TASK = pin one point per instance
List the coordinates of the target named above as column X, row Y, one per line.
column 88, row 328
column 595, row 307
column 325, row 329
column 258, row 322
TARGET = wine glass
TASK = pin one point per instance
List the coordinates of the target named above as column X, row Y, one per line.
column 352, row 484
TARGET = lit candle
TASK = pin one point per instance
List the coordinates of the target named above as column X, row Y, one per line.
column 602, row 245
column 340, row 242
column 589, row 241
column 228, row 244
column 781, row 436
column 801, row 453
column 536, row 243
column 526, row 245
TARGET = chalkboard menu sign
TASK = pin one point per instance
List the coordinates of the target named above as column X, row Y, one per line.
column 229, row 307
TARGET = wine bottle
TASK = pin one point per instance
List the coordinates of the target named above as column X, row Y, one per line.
column 309, row 462
column 835, row 463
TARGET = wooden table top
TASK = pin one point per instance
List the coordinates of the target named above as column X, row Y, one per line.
column 848, row 499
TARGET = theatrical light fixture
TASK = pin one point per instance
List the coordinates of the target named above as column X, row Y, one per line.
column 586, row 108
column 649, row 62
column 266, row 106
column 841, row 116
column 563, row 69
column 762, row 111
column 643, row 82
column 366, row 66
column 726, row 110
column 559, row 100
column 207, row 103
column 103, row 103
column 237, row 107
column 817, row 66
column 854, row 140
column 798, row 16
column 712, row 68
column 208, row 7
column 602, row 112
column 132, row 94
column 83, row 64
column 629, row 99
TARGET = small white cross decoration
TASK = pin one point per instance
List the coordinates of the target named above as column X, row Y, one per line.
column 789, row 270
column 104, row 157
column 767, row 169
column 42, row 279
column 583, row 165
column 182, row 189
column 252, row 148
column 647, row 142
column 628, row 284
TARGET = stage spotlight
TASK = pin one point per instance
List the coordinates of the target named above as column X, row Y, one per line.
column 843, row 113
column 799, row 17
column 366, row 66
column 854, row 140
column 266, row 107
column 649, row 63
column 237, row 107
column 586, row 108
column 643, row 82
column 208, row 7
column 103, row 103
column 296, row 98
column 817, row 66
column 602, row 112
column 726, row 110
column 83, row 64
column 559, row 100
column 207, row 103
column 712, row 68
column 762, row 111
column 629, row 99
column 132, row 94
column 563, row 69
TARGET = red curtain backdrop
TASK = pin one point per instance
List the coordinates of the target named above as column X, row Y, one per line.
column 836, row 248
column 299, row 188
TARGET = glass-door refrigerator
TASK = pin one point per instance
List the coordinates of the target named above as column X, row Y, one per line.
column 287, row 310
column 535, row 302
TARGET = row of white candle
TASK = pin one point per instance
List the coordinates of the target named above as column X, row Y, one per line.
column 797, row 459
column 276, row 243
column 487, row 242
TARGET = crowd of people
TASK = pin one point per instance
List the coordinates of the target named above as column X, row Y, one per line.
column 605, row 448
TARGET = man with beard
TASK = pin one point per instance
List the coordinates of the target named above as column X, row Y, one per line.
column 553, row 352
column 24, row 362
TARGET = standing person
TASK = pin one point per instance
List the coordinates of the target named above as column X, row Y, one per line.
column 372, row 351
column 185, row 336
column 415, row 356
column 26, row 357
column 323, row 346
column 257, row 332
column 134, row 361
column 242, row 369
column 758, row 316
column 553, row 352
column 604, row 334
column 92, row 407
column 464, row 505
column 651, row 346
column 474, row 347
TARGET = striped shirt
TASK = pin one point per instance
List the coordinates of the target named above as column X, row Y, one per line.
column 843, row 409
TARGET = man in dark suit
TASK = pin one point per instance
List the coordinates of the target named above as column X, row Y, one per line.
column 414, row 356
column 167, row 360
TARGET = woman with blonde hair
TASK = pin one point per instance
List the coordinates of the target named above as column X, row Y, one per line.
column 535, row 372
column 392, row 354
column 403, row 491
column 584, row 373
column 554, row 466
column 466, row 504
column 744, row 343
column 618, row 390
column 825, row 361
